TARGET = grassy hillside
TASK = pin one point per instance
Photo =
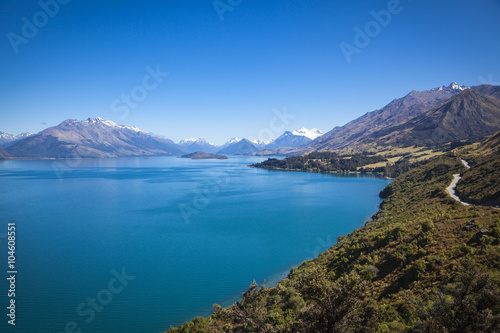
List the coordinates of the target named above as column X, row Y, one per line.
column 481, row 184
column 389, row 161
column 425, row 263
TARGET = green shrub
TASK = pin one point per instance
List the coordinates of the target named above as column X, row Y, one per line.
column 427, row 225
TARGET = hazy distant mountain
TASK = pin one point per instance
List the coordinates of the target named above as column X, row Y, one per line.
column 194, row 145
column 7, row 139
column 294, row 138
column 261, row 143
column 3, row 154
column 94, row 137
column 238, row 147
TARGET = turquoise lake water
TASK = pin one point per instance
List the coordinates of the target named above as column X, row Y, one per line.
column 180, row 235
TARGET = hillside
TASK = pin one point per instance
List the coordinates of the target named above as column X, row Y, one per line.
column 413, row 114
column 481, row 183
column 395, row 113
column 466, row 115
column 424, row 263
column 3, row 154
column 94, row 137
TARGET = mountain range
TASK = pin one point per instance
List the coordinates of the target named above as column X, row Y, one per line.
column 94, row 137
column 7, row 139
column 98, row 137
column 421, row 118
column 194, row 145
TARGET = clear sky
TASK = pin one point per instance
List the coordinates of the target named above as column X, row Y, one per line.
column 228, row 78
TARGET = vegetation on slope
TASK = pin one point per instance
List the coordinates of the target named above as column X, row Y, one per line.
column 390, row 162
column 481, row 184
column 425, row 263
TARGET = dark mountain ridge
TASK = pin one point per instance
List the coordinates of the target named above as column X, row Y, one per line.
column 416, row 112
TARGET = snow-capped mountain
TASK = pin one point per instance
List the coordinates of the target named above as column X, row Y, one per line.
column 295, row 138
column 392, row 119
column 308, row 133
column 104, row 122
column 261, row 143
column 236, row 146
column 94, row 137
column 7, row 139
column 230, row 142
column 193, row 145
column 452, row 88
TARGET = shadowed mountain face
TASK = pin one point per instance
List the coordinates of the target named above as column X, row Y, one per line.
column 488, row 90
column 94, row 137
column 395, row 113
column 7, row 139
column 469, row 114
column 472, row 114
column 3, row 154
column 479, row 184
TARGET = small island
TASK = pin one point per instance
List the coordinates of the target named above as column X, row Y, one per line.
column 200, row 155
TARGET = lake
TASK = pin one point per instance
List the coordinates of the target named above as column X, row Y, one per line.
column 136, row 245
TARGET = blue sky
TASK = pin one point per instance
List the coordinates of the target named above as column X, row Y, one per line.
column 228, row 78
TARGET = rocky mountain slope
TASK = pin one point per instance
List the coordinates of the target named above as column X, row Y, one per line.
column 466, row 115
column 394, row 121
column 94, row 137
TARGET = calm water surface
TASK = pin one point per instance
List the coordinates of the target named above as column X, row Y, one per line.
column 180, row 235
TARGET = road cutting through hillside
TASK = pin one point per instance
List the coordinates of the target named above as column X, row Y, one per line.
column 452, row 188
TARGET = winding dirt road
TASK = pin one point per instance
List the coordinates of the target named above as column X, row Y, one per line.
column 452, row 188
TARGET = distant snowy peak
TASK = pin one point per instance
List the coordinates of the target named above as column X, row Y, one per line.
column 453, row 87
column 261, row 142
column 112, row 124
column 456, row 86
column 233, row 140
column 308, row 133
column 23, row 135
column 7, row 139
column 197, row 141
column 6, row 136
